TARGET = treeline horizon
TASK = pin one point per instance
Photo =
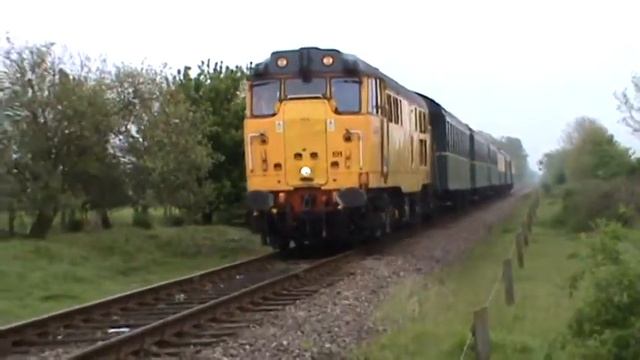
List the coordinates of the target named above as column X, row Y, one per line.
column 80, row 135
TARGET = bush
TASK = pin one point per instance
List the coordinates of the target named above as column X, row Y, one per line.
column 74, row 225
column 175, row 220
column 142, row 219
column 607, row 324
column 71, row 222
column 586, row 201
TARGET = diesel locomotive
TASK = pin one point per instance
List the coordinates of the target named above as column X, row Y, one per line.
column 336, row 151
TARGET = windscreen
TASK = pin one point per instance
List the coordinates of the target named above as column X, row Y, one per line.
column 317, row 87
column 265, row 95
column 346, row 94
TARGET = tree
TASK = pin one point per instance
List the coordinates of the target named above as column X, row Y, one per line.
column 629, row 105
column 178, row 155
column 593, row 152
column 164, row 141
column 59, row 123
column 137, row 93
column 553, row 167
column 32, row 80
column 91, row 169
column 216, row 95
column 519, row 157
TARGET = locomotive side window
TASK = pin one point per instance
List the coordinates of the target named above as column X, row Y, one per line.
column 264, row 96
column 394, row 110
column 373, row 96
column 296, row 88
column 379, row 95
column 346, row 94
column 423, row 152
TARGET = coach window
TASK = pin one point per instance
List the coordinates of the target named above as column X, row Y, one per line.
column 346, row 94
column 264, row 96
column 455, row 140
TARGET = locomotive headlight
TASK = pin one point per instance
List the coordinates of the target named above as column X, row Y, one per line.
column 281, row 62
column 327, row 60
column 305, row 171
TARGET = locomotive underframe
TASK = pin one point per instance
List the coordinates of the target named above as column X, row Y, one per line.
column 309, row 217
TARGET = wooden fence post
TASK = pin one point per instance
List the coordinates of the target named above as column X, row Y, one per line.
column 507, row 277
column 520, row 251
column 481, row 333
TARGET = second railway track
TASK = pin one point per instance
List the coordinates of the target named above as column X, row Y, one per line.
column 68, row 332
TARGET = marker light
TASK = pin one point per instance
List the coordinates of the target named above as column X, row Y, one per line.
column 281, row 62
column 305, row 171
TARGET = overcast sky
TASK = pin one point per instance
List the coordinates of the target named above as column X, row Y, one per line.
column 518, row 68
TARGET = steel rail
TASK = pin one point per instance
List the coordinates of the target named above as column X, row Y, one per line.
column 127, row 344
column 17, row 332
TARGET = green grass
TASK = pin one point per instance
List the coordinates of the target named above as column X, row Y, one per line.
column 119, row 217
column 40, row 276
column 429, row 318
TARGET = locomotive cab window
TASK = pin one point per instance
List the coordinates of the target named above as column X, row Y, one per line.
column 297, row 88
column 264, row 96
column 346, row 94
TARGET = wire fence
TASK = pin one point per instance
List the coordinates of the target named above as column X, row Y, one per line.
column 479, row 334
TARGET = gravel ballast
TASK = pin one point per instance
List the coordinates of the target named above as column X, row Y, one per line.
column 329, row 324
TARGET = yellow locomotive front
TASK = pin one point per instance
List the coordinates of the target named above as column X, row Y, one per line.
column 306, row 134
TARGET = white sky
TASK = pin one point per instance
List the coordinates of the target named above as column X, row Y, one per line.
column 519, row 68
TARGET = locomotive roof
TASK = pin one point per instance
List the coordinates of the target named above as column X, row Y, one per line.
column 308, row 60
column 311, row 57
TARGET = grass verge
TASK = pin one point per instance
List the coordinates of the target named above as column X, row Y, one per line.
column 430, row 318
column 40, row 276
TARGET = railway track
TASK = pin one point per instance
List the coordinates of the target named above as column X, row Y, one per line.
column 178, row 318
column 185, row 334
column 97, row 327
